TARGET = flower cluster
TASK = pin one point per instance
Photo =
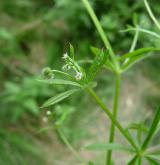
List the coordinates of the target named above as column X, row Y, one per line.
column 78, row 76
column 71, row 64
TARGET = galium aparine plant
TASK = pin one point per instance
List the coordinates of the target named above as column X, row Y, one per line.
column 73, row 74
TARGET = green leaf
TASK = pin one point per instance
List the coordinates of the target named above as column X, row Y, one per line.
column 158, row 129
column 108, row 63
column 154, row 157
column 108, row 146
column 90, row 163
column 131, row 58
column 98, row 62
column 138, row 52
column 31, row 105
column 133, row 61
column 59, row 97
column 95, row 51
column 60, row 82
column 133, row 161
column 152, row 161
column 135, row 19
column 152, row 129
column 153, row 150
column 71, row 50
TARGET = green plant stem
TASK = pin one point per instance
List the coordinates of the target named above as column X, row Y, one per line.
column 112, row 118
column 115, row 112
column 100, row 30
column 135, row 39
column 151, row 131
column 149, row 136
column 66, row 142
column 134, row 43
column 151, row 14
column 143, row 31
column 140, row 161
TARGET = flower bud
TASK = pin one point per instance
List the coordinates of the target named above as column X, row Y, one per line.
column 48, row 113
column 47, row 73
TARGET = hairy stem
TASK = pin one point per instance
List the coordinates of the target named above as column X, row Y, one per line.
column 112, row 118
column 115, row 112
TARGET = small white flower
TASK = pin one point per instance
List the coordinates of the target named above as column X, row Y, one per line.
column 78, row 76
column 66, row 67
column 45, row 119
column 48, row 113
column 65, row 56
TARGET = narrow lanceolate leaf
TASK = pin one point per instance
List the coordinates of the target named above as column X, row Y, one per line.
column 60, row 82
column 95, row 51
column 132, row 61
column 71, row 50
column 59, row 97
column 152, row 129
column 138, row 52
column 158, row 129
column 108, row 146
column 153, row 158
column 152, row 161
column 132, row 58
column 98, row 62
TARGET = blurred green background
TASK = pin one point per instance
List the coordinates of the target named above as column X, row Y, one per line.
column 35, row 34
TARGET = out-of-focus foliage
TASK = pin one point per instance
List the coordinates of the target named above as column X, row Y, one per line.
column 34, row 34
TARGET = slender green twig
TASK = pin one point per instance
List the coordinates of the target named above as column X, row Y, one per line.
column 112, row 118
column 63, row 137
column 140, row 161
column 150, row 135
column 100, row 31
column 63, row 73
column 142, row 30
column 151, row 131
column 151, row 14
column 115, row 112
column 134, row 43
column 135, row 39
